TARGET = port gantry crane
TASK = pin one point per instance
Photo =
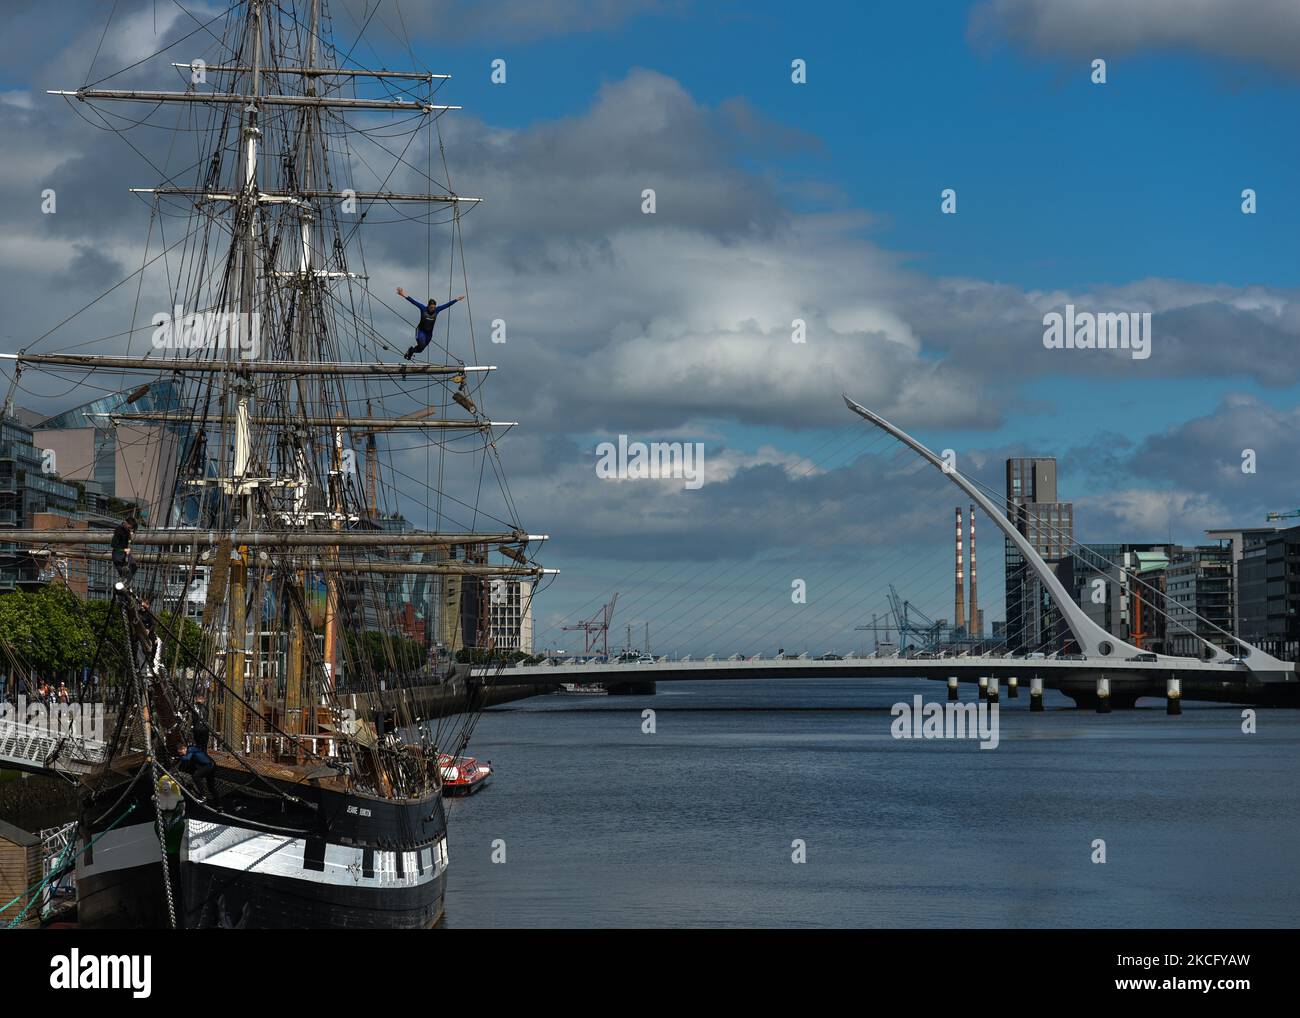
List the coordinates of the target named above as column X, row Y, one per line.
column 876, row 627
column 596, row 629
column 911, row 621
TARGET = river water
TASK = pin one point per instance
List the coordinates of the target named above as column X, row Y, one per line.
column 602, row 824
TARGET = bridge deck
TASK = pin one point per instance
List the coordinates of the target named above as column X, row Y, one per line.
column 866, row 667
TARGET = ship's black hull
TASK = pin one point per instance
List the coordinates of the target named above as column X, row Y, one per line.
column 354, row 863
column 123, row 899
column 273, row 902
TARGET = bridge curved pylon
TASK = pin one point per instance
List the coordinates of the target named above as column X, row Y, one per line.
column 1093, row 640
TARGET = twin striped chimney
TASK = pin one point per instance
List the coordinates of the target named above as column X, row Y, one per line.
column 971, row 622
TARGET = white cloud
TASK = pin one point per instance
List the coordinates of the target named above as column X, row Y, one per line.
column 1263, row 31
column 144, row 32
column 1143, row 514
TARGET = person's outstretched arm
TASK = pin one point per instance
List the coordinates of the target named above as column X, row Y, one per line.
column 403, row 293
column 443, row 307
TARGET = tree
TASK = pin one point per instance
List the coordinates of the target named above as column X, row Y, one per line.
column 383, row 653
column 48, row 629
column 55, row 632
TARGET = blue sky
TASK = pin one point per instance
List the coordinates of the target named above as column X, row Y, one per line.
column 1061, row 183
column 1078, row 183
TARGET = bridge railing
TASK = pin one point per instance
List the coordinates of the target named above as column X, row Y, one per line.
column 38, row 746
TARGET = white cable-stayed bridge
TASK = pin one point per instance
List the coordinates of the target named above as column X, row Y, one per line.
column 1103, row 670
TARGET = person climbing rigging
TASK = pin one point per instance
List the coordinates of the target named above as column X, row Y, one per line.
column 428, row 316
column 123, row 560
column 196, row 761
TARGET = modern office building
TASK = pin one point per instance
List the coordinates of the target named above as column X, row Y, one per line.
column 1121, row 587
column 1239, row 539
column 132, row 461
column 1198, row 597
column 510, row 614
column 462, row 602
column 31, row 496
column 1269, row 592
column 1032, row 622
column 411, row 597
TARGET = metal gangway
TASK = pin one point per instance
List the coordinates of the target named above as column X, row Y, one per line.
column 49, row 747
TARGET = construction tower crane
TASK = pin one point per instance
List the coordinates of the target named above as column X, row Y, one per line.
column 1283, row 516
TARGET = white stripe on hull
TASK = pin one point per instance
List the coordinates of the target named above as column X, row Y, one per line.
column 122, row 848
column 237, row 848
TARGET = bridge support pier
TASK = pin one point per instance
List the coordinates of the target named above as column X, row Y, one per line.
column 1035, row 693
column 1173, row 697
column 953, row 690
column 993, row 689
column 984, row 687
column 1013, row 688
column 1102, row 692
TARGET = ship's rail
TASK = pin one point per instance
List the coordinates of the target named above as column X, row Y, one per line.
column 276, row 744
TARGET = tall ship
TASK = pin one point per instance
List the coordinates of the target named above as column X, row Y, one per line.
column 275, row 733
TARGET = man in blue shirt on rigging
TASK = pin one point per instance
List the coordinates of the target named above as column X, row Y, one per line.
column 196, row 761
column 428, row 315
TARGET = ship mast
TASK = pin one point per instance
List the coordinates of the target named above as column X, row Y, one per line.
column 242, row 391
column 295, row 666
column 279, row 507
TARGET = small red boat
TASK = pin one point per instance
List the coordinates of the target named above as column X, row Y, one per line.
column 462, row 775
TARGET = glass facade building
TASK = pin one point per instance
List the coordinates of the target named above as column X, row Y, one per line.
column 1198, row 594
column 1033, row 623
column 1269, row 584
column 1121, row 587
column 26, row 490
